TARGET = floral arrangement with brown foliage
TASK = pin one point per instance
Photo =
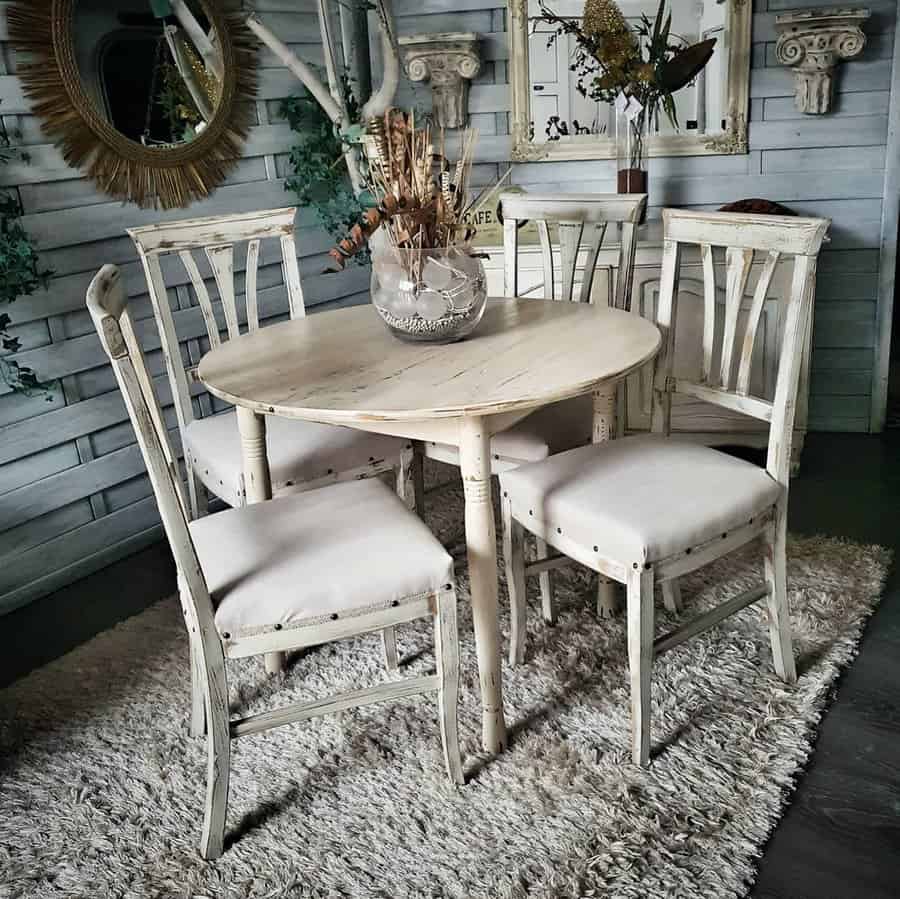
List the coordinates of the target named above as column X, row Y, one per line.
column 420, row 197
column 646, row 63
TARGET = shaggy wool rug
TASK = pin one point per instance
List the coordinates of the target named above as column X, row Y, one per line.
column 101, row 789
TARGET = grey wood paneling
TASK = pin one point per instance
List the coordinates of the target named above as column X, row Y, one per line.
column 73, row 493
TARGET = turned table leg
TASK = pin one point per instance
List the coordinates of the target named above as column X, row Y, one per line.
column 257, row 482
column 481, row 545
column 605, row 429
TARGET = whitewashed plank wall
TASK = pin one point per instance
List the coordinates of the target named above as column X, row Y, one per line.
column 73, row 496
column 72, row 493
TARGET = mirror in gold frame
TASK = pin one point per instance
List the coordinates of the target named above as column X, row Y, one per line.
column 154, row 108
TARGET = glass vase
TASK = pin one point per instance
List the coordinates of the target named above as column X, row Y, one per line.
column 434, row 295
column 632, row 147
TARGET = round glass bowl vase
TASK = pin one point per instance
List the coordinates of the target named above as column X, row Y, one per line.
column 436, row 296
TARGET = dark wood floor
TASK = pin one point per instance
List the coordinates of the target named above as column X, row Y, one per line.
column 840, row 836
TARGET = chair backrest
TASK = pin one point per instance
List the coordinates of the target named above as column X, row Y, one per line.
column 582, row 221
column 727, row 383
column 108, row 305
column 216, row 237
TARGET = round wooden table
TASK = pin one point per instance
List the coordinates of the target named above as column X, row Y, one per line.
column 344, row 368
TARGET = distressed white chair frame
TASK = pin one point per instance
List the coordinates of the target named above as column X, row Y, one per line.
column 726, row 385
column 216, row 237
column 583, row 221
column 107, row 302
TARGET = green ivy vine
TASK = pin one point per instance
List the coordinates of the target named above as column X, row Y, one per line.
column 20, row 274
column 318, row 174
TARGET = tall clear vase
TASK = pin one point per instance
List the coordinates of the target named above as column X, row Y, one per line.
column 632, row 146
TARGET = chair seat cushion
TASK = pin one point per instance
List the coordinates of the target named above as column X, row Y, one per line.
column 299, row 560
column 298, row 451
column 551, row 429
column 640, row 499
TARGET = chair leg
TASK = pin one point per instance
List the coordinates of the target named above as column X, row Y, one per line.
column 408, row 473
column 198, row 709
column 548, row 601
column 671, row 591
column 218, row 740
column 389, row 646
column 607, row 597
column 275, row 662
column 197, row 495
column 514, row 561
column 775, row 545
column 446, row 650
column 639, row 589
column 418, row 479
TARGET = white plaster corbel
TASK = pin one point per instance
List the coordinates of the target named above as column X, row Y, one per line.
column 812, row 42
column 449, row 61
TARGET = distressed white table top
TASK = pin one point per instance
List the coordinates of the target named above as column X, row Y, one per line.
column 343, row 367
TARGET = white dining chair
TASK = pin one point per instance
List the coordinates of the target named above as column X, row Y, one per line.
column 274, row 576
column 580, row 223
column 302, row 455
column 648, row 509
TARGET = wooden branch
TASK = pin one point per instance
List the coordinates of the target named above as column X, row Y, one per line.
column 328, row 44
column 379, row 102
column 299, row 68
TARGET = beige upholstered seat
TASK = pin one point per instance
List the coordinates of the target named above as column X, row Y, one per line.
column 299, row 451
column 552, row 429
column 306, row 559
column 641, row 498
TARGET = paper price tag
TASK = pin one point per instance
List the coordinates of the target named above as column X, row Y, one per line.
column 633, row 109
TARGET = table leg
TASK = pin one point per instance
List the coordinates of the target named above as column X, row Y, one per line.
column 604, row 429
column 257, row 482
column 481, row 545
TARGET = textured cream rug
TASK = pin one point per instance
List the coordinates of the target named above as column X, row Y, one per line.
column 101, row 788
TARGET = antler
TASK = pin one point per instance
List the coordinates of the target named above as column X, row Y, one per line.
column 330, row 98
column 378, row 104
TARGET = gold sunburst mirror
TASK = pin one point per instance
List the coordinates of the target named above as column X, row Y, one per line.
column 151, row 98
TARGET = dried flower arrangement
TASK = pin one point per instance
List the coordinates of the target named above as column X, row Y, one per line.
column 638, row 70
column 429, row 284
column 420, row 196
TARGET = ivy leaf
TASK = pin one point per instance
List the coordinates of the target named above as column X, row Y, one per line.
column 354, row 134
column 12, row 344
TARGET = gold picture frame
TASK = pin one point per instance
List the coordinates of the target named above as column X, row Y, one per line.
column 170, row 177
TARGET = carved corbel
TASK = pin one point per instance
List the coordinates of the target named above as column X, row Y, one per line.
column 449, row 61
column 812, row 42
